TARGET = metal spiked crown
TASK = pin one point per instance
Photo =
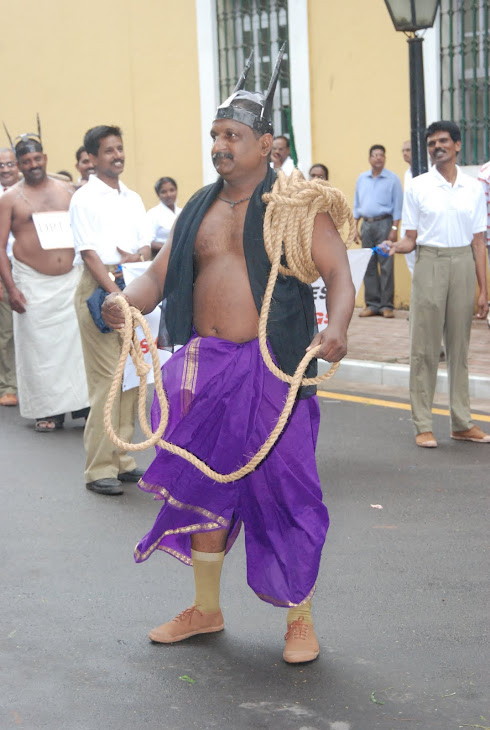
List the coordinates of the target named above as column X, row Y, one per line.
column 252, row 108
column 26, row 137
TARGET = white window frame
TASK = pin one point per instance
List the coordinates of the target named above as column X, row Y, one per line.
column 207, row 43
column 432, row 79
column 432, row 71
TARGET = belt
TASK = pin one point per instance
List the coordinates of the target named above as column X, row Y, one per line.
column 377, row 218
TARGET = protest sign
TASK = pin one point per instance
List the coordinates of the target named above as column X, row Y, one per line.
column 358, row 261
column 131, row 379
column 53, row 229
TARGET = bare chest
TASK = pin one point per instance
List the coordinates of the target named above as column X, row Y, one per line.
column 220, row 233
column 29, row 201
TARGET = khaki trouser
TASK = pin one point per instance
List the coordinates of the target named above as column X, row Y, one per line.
column 8, row 381
column 101, row 355
column 443, row 293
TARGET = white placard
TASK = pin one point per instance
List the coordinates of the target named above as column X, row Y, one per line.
column 53, row 229
column 358, row 262
column 130, row 378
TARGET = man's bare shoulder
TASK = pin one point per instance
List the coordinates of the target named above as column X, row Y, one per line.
column 323, row 220
column 10, row 195
column 60, row 185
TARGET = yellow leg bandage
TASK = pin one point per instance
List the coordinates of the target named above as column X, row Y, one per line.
column 303, row 611
column 207, row 574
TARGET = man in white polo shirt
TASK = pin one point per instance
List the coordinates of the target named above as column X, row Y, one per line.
column 109, row 228
column 444, row 215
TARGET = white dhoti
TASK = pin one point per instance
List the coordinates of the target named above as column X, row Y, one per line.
column 49, row 361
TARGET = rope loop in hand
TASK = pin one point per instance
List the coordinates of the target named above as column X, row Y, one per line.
column 292, row 206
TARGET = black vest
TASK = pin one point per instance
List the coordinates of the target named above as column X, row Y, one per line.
column 292, row 321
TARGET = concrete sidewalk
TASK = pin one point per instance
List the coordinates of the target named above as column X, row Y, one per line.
column 378, row 351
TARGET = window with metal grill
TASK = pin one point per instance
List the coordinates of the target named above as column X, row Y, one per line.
column 464, row 74
column 261, row 25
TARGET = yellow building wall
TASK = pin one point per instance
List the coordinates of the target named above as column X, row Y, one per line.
column 359, row 96
column 132, row 63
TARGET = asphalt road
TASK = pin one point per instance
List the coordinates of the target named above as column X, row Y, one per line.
column 401, row 608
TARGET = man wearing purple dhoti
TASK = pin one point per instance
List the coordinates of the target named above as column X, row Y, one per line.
column 223, row 401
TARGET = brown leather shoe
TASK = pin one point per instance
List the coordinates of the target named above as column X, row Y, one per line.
column 426, row 440
column 366, row 312
column 9, row 399
column 301, row 642
column 188, row 623
column 472, row 434
column 388, row 314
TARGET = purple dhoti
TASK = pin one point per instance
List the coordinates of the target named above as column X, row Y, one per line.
column 223, row 404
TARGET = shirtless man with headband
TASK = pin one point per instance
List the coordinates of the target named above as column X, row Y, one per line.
column 40, row 287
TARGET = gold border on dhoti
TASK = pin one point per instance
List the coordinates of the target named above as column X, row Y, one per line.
column 189, row 375
column 198, row 527
column 217, row 522
column 155, row 489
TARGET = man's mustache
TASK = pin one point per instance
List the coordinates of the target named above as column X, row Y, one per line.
column 218, row 156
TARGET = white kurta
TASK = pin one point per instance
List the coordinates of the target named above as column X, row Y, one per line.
column 48, row 350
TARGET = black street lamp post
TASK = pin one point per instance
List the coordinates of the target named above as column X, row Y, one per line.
column 410, row 16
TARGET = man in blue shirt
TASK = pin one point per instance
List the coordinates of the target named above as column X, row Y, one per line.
column 378, row 201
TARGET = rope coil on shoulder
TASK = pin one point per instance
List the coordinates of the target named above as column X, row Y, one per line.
column 292, row 206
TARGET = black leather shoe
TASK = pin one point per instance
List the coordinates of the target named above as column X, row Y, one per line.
column 131, row 476
column 110, row 486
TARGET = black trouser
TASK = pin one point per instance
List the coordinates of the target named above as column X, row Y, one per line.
column 378, row 284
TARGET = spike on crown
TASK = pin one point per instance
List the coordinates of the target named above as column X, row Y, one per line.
column 252, row 108
column 31, row 138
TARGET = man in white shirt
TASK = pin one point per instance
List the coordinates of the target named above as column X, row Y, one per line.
column 281, row 159
column 108, row 223
column 444, row 214
column 407, row 179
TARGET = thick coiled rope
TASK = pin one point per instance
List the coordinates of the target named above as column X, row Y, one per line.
column 292, row 206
